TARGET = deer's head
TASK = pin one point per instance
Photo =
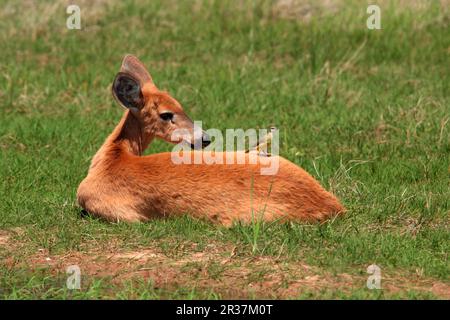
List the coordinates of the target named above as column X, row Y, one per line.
column 158, row 113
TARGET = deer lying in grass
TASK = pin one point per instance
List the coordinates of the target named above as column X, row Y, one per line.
column 123, row 185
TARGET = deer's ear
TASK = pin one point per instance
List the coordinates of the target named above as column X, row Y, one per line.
column 127, row 91
column 135, row 67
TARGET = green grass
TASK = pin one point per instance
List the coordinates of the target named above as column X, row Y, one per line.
column 365, row 112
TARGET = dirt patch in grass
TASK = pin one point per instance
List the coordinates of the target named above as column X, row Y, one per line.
column 305, row 10
column 4, row 238
column 217, row 267
column 36, row 17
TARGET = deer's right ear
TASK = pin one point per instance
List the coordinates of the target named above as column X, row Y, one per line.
column 127, row 91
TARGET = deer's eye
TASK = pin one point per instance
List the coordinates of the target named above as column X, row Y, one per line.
column 166, row 116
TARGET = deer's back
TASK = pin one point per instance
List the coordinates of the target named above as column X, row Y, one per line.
column 139, row 188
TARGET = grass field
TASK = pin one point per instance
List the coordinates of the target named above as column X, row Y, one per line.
column 366, row 112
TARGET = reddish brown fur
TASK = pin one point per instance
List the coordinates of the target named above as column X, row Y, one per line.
column 122, row 185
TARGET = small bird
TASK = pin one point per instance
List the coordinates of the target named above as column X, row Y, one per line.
column 264, row 144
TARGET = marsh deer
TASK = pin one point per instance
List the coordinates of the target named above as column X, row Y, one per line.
column 123, row 185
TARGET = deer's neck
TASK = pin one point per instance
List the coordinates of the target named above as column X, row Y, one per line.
column 128, row 138
column 129, row 135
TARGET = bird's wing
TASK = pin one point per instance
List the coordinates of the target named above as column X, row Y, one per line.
column 261, row 141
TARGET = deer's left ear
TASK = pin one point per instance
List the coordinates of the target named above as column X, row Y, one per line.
column 127, row 91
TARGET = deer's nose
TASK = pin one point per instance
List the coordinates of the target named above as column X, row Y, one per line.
column 200, row 144
column 206, row 140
